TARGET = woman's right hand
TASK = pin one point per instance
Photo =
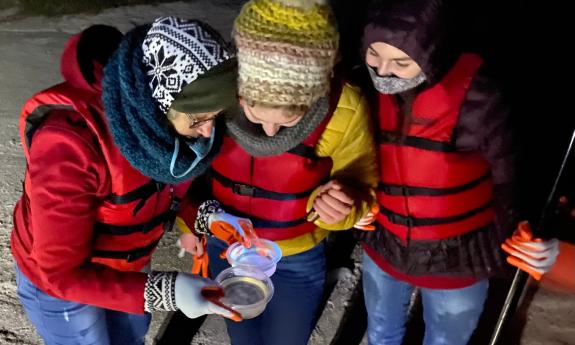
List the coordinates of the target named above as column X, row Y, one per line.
column 191, row 297
column 196, row 246
column 533, row 255
column 189, row 242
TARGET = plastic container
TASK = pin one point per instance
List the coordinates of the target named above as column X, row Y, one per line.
column 247, row 290
column 264, row 259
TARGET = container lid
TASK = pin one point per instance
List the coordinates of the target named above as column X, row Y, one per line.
column 262, row 257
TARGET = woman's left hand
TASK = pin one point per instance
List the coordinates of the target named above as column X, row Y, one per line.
column 334, row 202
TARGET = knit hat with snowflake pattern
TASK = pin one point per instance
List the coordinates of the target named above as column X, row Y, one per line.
column 189, row 66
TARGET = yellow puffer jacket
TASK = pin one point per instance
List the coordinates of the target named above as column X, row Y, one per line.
column 348, row 141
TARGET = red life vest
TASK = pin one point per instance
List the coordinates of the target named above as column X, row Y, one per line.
column 272, row 191
column 131, row 220
column 428, row 190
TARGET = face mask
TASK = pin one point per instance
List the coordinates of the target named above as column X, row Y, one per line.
column 393, row 85
column 200, row 146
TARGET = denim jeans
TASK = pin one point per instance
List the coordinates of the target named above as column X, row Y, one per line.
column 290, row 316
column 61, row 322
column 450, row 315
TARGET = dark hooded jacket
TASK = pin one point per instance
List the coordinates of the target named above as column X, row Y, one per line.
column 421, row 29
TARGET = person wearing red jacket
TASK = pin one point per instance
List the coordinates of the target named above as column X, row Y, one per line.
column 110, row 156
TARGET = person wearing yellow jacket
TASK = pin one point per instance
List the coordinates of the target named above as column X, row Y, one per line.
column 348, row 141
column 298, row 161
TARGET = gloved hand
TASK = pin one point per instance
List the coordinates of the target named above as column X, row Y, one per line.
column 231, row 229
column 193, row 297
column 533, row 255
column 213, row 220
column 365, row 223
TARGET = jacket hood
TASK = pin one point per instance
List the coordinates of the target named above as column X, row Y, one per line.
column 420, row 28
column 85, row 55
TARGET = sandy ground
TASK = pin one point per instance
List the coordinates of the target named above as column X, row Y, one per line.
column 29, row 59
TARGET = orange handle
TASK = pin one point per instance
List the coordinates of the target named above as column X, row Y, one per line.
column 200, row 264
column 214, row 294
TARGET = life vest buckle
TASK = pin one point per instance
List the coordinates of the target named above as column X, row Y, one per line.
column 243, row 189
column 387, row 137
column 401, row 220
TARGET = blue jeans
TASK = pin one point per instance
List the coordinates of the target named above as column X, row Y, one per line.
column 291, row 315
column 61, row 322
column 450, row 316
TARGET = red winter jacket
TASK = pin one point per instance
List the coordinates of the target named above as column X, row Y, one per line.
column 84, row 228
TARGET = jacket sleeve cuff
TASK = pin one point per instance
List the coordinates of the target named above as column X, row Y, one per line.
column 202, row 224
column 183, row 226
column 160, row 292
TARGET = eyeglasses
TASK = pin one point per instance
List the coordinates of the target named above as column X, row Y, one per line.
column 200, row 122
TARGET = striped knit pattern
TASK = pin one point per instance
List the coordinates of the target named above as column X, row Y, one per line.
column 286, row 51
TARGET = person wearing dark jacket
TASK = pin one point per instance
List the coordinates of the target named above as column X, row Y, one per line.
column 446, row 177
column 106, row 174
